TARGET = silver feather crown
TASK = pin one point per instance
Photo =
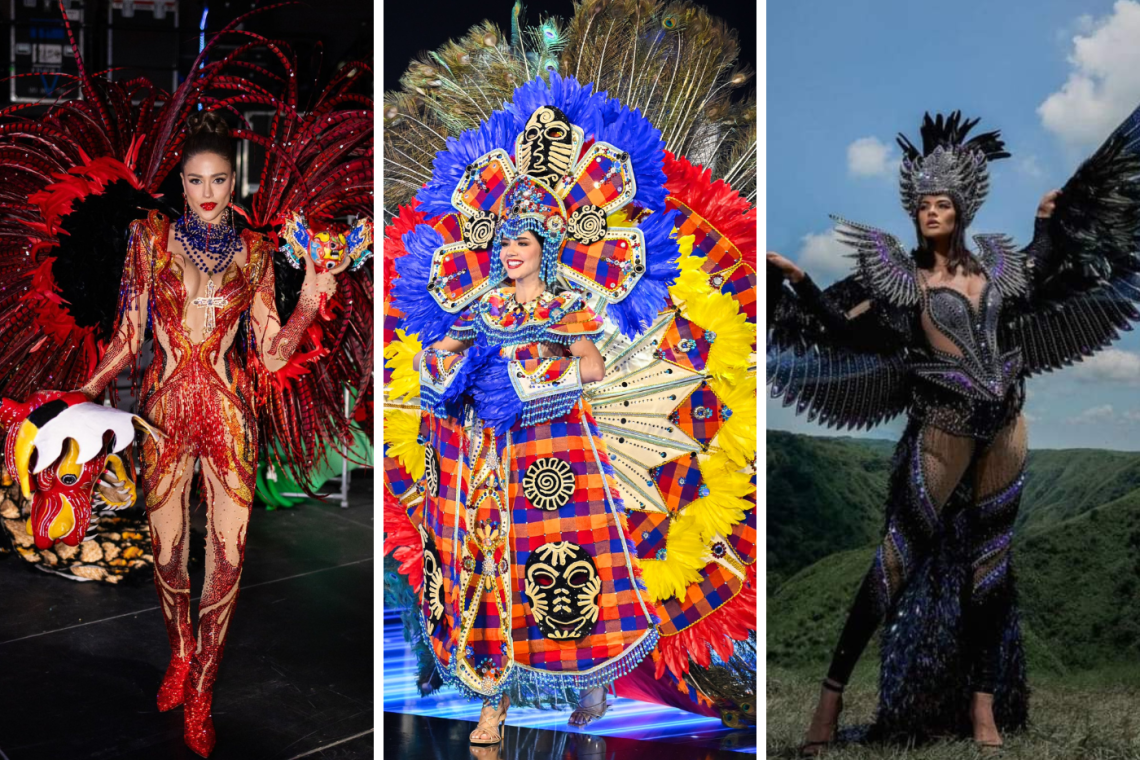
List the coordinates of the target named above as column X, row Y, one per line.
column 948, row 165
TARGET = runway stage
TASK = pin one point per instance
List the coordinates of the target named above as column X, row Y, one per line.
column 80, row 663
column 436, row 727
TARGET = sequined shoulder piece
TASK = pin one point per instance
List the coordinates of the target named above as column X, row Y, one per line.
column 1004, row 264
column 148, row 239
column 882, row 262
column 260, row 253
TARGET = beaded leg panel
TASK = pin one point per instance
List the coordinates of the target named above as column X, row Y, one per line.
column 998, row 484
column 935, row 464
column 168, row 511
column 227, row 520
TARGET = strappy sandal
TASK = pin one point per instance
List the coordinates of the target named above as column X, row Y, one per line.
column 489, row 722
column 986, row 749
column 590, row 712
column 816, row 748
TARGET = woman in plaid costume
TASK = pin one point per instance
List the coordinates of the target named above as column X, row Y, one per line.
column 531, row 583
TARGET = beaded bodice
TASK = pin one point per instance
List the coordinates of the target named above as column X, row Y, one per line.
column 963, row 343
column 181, row 351
column 552, row 322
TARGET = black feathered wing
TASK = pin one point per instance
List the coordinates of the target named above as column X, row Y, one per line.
column 839, row 355
column 1085, row 262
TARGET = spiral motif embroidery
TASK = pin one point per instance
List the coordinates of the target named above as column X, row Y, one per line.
column 587, row 225
column 549, row 484
column 479, row 230
column 431, row 471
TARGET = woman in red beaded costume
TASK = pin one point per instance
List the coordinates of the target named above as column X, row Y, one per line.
column 255, row 347
column 194, row 281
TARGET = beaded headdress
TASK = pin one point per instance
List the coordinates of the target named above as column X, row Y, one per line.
column 947, row 165
column 570, row 165
column 530, row 206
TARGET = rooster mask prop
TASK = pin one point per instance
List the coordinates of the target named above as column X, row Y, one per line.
column 60, row 447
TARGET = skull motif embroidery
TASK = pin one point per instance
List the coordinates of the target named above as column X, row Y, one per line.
column 431, row 471
column 433, row 581
column 544, row 152
column 563, row 586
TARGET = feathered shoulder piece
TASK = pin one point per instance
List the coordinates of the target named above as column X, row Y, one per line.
column 1004, row 263
column 882, row 263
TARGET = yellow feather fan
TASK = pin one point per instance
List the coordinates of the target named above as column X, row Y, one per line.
column 405, row 379
column 737, row 436
column 715, row 312
column 401, row 436
column 725, row 504
column 684, row 559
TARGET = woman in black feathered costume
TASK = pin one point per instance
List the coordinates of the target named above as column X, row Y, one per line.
column 948, row 335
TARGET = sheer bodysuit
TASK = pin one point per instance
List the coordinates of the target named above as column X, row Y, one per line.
column 200, row 390
column 983, row 450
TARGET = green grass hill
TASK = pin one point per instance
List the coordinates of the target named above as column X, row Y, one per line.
column 1077, row 552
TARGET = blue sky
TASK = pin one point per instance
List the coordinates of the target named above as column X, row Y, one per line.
column 1055, row 76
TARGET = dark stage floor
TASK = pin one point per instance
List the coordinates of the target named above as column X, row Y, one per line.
column 631, row 729
column 80, row 663
column 418, row 737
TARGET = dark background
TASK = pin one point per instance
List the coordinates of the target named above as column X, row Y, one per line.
column 414, row 26
column 154, row 48
column 321, row 36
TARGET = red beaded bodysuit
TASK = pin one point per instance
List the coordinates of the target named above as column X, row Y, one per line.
column 200, row 390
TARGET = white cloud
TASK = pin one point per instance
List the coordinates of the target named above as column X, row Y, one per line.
column 1105, row 415
column 1104, row 83
column 868, row 157
column 1111, row 366
column 1097, row 415
column 1028, row 166
column 824, row 257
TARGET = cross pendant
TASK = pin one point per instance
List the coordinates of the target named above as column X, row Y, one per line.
column 210, row 303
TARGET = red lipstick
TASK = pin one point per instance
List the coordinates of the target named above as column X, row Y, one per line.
column 209, row 206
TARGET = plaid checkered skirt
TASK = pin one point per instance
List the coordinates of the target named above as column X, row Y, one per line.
column 537, row 582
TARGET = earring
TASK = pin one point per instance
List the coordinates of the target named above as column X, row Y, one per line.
column 185, row 205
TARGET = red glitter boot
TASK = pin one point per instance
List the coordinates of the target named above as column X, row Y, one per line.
column 174, row 592
column 198, row 726
column 173, row 689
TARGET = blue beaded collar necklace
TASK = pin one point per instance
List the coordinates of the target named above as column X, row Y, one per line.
column 212, row 247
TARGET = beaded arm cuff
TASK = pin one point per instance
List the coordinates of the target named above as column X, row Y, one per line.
column 118, row 355
column 289, row 338
column 438, row 370
column 547, row 388
column 464, row 328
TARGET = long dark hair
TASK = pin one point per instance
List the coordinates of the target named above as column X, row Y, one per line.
column 207, row 132
column 960, row 255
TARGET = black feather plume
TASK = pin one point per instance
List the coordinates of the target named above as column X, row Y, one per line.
column 91, row 253
column 1096, row 221
column 946, row 131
